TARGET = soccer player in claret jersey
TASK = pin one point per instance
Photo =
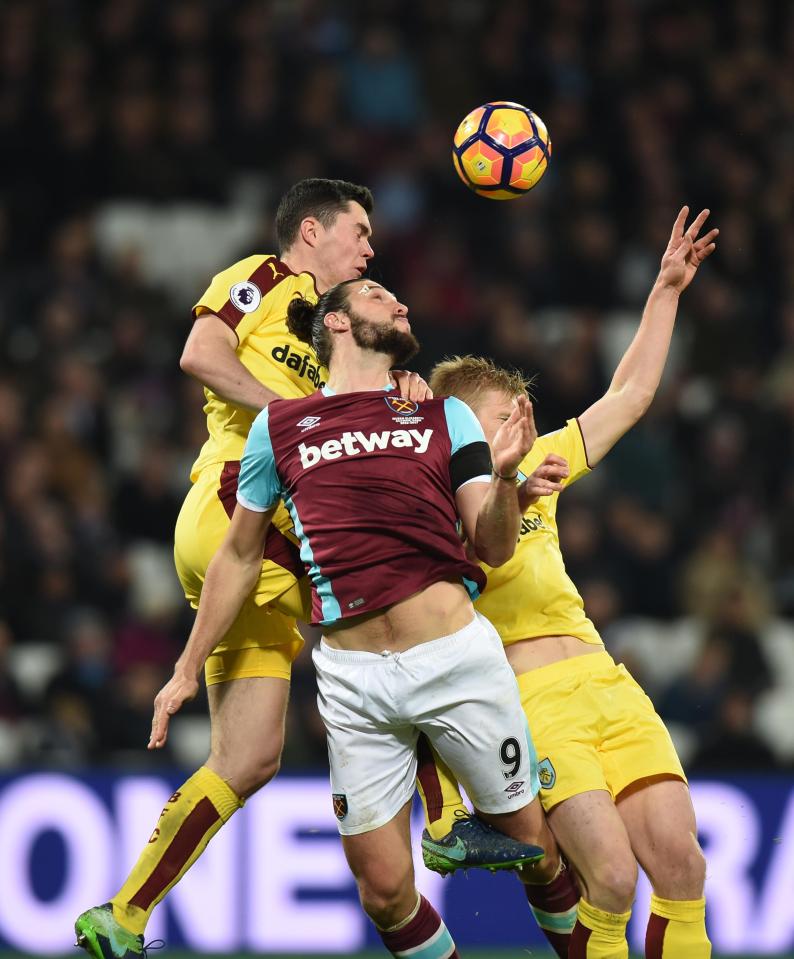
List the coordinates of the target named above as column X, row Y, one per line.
column 375, row 486
column 241, row 350
column 611, row 783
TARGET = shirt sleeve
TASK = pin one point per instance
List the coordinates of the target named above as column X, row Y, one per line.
column 245, row 294
column 568, row 443
column 470, row 459
column 259, row 487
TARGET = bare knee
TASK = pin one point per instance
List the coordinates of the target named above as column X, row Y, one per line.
column 386, row 897
column 247, row 772
column 610, row 885
column 680, row 873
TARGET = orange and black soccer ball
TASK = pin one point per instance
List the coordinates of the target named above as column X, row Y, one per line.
column 501, row 150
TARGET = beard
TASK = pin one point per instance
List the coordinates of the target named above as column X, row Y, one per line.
column 399, row 345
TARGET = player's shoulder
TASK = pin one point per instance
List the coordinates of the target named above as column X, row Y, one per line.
column 250, row 280
column 454, row 409
column 258, row 284
column 292, row 410
column 567, row 441
column 245, row 268
column 462, row 423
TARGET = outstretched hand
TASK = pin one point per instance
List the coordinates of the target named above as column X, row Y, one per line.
column 685, row 252
column 179, row 689
column 544, row 481
column 514, row 439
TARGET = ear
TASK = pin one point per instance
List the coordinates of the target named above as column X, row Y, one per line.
column 310, row 230
column 338, row 322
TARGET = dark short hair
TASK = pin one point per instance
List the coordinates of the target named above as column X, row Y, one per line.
column 306, row 320
column 324, row 199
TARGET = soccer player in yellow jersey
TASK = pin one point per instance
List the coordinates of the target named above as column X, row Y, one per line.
column 240, row 349
column 611, row 783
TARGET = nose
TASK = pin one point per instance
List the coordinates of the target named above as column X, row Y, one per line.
column 401, row 309
column 367, row 252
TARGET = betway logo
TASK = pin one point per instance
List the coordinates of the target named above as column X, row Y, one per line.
column 354, row 443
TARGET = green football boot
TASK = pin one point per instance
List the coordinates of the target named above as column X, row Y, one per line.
column 103, row 937
column 473, row 844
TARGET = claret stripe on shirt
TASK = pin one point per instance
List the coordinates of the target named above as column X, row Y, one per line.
column 266, row 276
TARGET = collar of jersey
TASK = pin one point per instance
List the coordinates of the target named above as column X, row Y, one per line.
column 327, row 391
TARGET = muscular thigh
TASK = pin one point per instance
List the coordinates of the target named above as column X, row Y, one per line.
column 592, row 835
column 368, row 852
column 660, row 822
column 247, row 719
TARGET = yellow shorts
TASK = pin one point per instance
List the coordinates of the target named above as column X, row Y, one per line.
column 264, row 639
column 593, row 728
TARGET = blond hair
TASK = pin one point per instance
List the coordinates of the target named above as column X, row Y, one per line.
column 468, row 376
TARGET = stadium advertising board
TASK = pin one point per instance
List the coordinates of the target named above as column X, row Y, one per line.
column 275, row 880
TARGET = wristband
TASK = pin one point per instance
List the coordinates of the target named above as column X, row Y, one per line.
column 507, row 479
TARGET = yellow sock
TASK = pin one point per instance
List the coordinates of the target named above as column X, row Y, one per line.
column 598, row 934
column 677, row 929
column 191, row 817
column 438, row 790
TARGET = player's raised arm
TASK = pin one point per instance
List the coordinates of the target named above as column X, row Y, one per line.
column 638, row 374
column 491, row 513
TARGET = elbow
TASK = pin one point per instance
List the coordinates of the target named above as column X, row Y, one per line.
column 190, row 361
column 642, row 402
column 636, row 402
column 495, row 556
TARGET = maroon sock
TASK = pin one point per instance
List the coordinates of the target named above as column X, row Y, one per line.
column 577, row 948
column 654, row 936
column 425, row 934
column 554, row 907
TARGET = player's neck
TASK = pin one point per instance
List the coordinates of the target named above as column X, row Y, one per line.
column 365, row 371
column 299, row 263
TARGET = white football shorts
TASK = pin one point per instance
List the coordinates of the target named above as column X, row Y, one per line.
column 459, row 690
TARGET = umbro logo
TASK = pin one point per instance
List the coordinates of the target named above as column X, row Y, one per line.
column 308, row 422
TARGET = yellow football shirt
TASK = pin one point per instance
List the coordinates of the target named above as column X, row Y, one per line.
column 251, row 297
column 532, row 595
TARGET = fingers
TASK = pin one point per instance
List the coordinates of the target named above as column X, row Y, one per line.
column 163, row 711
column 530, row 416
column 411, row 386
column 697, row 223
column 705, row 246
column 553, row 472
column 554, row 459
column 678, row 226
column 159, row 732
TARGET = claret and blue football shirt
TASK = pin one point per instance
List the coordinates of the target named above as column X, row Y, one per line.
column 370, row 481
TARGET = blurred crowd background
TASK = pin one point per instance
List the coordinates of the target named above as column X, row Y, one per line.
column 144, row 146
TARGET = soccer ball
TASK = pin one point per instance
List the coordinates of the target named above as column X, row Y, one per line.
column 501, row 150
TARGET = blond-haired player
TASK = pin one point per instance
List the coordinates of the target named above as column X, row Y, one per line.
column 612, row 785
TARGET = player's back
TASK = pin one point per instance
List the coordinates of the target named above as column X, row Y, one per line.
column 366, row 477
column 251, row 298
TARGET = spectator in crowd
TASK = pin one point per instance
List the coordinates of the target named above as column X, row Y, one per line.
column 115, row 118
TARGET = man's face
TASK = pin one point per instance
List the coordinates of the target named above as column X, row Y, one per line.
column 379, row 322
column 492, row 408
column 343, row 247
